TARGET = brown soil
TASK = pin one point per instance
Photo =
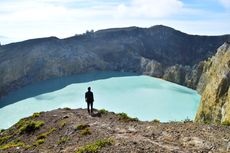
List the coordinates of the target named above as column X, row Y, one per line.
column 125, row 135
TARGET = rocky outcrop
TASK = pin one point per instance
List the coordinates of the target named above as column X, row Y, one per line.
column 157, row 51
column 214, row 86
column 74, row 131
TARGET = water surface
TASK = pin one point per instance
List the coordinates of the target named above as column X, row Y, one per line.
column 139, row 96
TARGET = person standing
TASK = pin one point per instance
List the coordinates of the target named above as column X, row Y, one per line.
column 89, row 99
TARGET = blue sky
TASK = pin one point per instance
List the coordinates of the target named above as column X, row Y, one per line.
column 25, row 19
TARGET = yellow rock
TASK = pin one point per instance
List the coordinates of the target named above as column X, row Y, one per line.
column 215, row 101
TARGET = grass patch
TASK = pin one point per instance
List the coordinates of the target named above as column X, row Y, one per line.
column 67, row 108
column 44, row 135
column 187, row 120
column 95, row 147
column 38, row 142
column 85, row 132
column 226, row 123
column 62, row 140
column 103, row 111
column 155, row 121
column 82, row 127
column 4, row 139
column 35, row 115
column 11, row 145
column 31, row 126
column 20, row 123
column 2, row 130
column 124, row 117
column 62, row 124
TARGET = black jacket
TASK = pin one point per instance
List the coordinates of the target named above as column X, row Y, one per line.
column 89, row 97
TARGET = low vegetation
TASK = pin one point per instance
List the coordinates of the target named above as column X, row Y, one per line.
column 2, row 130
column 103, row 111
column 62, row 124
column 44, row 135
column 38, row 142
column 85, row 132
column 82, row 127
column 155, row 121
column 226, row 123
column 20, row 123
column 95, row 147
column 63, row 140
column 187, row 120
column 35, row 115
column 67, row 108
column 12, row 144
column 31, row 126
column 4, row 139
column 124, row 117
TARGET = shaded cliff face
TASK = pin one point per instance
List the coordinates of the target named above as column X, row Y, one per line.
column 214, row 86
column 158, row 51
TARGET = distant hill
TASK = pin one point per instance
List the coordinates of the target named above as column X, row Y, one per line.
column 157, row 51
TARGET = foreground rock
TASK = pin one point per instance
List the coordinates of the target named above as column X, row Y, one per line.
column 214, row 86
column 68, row 131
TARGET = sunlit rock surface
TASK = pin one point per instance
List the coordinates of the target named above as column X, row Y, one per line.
column 214, row 86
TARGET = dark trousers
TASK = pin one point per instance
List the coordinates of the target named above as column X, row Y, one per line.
column 90, row 107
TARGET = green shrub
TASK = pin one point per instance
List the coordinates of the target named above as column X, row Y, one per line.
column 187, row 120
column 85, row 132
column 103, row 111
column 2, row 130
column 12, row 144
column 31, row 126
column 35, row 115
column 82, row 127
column 155, row 121
column 95, row 147
column 44, row 135
column 4, row 139
column 63, row 140
column 62, row 124
column 20, row 123
column 67, row 108
column 38, row 142
column 124, row 117
column 226, row 123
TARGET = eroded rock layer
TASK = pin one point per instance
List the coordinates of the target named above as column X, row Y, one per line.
column 214, row 86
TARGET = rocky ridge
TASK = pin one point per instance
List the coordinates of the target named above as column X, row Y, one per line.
column 74, row 131
column 157, row 51
column 214, row 86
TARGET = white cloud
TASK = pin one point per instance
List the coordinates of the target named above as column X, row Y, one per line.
column 26, row 19
column 150, row 8
column 225, row 3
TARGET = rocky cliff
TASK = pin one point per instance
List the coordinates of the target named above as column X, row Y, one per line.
column 214, row 86
column 74, row 131
column 157, row 51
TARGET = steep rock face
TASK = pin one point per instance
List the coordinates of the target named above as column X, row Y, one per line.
column 214, row 86
column 158, row 51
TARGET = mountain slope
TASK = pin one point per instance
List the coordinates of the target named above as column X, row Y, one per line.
column 156, row 51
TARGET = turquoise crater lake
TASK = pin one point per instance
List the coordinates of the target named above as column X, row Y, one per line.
column 140, row 96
